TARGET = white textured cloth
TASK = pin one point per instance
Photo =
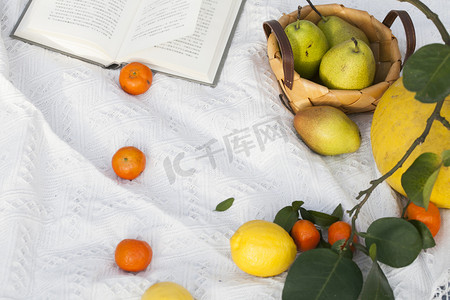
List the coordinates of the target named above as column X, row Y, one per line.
column 63, row 210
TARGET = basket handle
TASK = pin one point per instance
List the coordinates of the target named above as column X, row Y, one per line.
column 286, row 49
column 409, row 29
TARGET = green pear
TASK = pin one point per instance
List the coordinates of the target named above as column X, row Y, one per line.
column 327, row 130
column 308, row 44
column 338, row 30
column 349, row 66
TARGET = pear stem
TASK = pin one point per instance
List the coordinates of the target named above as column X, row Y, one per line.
column 356, row 50
column 315, row 9
column 297, row 22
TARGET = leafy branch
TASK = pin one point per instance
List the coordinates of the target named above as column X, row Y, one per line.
column 433, row 17
column 374, row 183
column 427, row 73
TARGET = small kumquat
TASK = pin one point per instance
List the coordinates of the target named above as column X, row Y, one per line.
column 128, row 162
column 133, row 255
column 340, row 230
column 305, row 235
column 431, row 217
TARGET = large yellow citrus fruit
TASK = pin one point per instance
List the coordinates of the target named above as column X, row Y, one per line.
column 262, row 248
column 397, row 121
column 166, row 290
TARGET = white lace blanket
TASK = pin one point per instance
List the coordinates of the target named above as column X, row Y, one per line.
column 63, row 210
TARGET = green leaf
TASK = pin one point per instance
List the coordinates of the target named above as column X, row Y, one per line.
column 446, row 158
column 427, row 237
column 427, row 72
column 373, row 252
column 224, row 205
column 338, row 212
column 376, row 286
column 286, row 217
column 318, row 218
column 297, row 204
column 398, row 241
column 321, row 274
column 418, row 180
column 306, row 215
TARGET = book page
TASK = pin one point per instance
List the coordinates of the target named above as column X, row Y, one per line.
column 196, row 56
column 159, row 21
column 86, row 22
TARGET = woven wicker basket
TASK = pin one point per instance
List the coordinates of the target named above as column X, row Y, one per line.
column 300, row 92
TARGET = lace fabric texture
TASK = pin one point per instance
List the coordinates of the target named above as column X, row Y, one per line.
column 63, row 210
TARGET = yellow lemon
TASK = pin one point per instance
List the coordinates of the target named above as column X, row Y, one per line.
column 397, row 121
column 166, row 290
column 262, row 248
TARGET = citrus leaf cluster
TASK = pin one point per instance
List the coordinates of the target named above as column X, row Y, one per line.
column 328, row 272
column 288, row 215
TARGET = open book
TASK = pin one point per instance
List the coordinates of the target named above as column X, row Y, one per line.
column 186, row 38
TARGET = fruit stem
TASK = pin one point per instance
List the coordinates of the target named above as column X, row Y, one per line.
column 317, row 11
column 435, row 116
column 356, row 50
column 297, row 22
column 433, row 17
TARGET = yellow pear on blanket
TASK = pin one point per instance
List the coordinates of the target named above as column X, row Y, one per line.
column 327, row 130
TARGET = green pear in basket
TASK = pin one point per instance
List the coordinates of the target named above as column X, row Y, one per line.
column 308, row 44
column 348, row 66
column 337, row 30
